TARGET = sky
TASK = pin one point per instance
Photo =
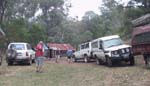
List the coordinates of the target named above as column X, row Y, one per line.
column 79, row 7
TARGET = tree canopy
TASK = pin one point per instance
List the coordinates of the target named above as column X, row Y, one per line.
column 47, row 20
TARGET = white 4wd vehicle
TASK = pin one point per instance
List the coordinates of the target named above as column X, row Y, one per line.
column 84, row 52
column 24, row 53
column 110, row 49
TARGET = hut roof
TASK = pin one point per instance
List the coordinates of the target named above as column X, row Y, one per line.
column 58, row 46
column 141, row 29
column 143, row 20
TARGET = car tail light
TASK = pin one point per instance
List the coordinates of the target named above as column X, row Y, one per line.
column 27, row 54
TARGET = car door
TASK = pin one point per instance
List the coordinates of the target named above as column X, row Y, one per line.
column 100, row 51
column 30, row 51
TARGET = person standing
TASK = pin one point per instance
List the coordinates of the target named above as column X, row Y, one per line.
column 69, row 55
column 58, row 55
column 39, row 56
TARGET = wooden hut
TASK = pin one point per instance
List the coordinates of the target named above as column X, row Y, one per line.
column 59, row 49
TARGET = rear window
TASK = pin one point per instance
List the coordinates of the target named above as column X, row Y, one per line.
column 18, row 46
column 85, row 46
column 142, row 38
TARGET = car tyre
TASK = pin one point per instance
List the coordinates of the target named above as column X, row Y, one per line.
column 33, row 60
column 148, row 62
column 109, row 62
column 86, row 60
column 132, row 61
column 98, row 62
column 30, row 61
column 9, row 62
column 74, row 59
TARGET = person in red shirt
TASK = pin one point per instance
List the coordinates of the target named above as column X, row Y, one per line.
column 39, row 56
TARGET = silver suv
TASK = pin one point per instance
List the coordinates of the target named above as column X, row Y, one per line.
column 21, row 52
column 84, row 52
column 111, row 49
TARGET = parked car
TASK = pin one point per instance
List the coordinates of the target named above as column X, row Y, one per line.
column 84, row 53
column 141, row 42
column 110, row 49
column 20, row 52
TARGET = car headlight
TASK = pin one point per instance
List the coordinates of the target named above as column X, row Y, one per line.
column 127, row 50
column 115, row 53
column 123, row 50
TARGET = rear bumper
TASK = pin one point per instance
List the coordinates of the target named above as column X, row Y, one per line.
column 19, row 59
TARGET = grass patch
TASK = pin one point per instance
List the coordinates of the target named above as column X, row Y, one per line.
column 76, row 74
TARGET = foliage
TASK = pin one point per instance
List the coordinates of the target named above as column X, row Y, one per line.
column 20, row 21
column 115, row 18
column 34, row 20
column 111, row 21
column 137, row 8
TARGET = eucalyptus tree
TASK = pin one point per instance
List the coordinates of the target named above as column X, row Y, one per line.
column 3, row 4
column 137, row 8
column 53, row 14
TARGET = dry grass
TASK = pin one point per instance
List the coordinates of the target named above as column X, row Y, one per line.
column 75, row 74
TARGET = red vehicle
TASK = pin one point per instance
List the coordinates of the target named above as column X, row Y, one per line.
column 141, row 42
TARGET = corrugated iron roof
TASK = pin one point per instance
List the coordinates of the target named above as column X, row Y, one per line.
column 143, row 20
column 58, row 46
column 141, row 29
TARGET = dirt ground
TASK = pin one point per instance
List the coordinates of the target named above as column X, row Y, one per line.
column 76, row 74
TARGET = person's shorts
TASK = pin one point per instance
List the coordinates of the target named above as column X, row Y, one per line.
column 69, row 57
column 39, row 61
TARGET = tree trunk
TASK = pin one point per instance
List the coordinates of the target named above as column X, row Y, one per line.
column 3, row 4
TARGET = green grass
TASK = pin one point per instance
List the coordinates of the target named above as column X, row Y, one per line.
column 76, row 74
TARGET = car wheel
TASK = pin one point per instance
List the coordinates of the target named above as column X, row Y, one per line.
column 98, row 61
column 9, row 62
column 109, row 62
column 73, row 59
column 148, row 62
column 86, row 60
column 30, row 61
column 132, row 61
column 33, row 60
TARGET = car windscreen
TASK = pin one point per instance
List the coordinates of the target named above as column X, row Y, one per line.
column 112, row 42
column 18, row 46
